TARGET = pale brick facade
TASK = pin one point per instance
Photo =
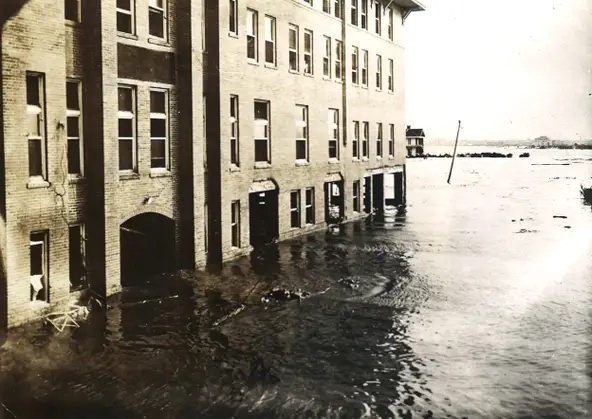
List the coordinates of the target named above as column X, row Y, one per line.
column 197, row 60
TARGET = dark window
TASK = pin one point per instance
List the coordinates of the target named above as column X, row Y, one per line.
column 262, row 131
column 157, row 18
column 235, row 223
column 234, row 130
column 125, row 16
column 233, row 17
column 270, row 40
column 35, row 113
column 39, row 281
column 127, row 128
column 77, row 260
column 293, row 48
column 295, row 209
column 158, row 129
column 71, row 10
column 309, row 205
column 73, row 127
column 252, row 34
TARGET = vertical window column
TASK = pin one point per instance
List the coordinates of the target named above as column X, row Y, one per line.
column 252, row 22
column 74, row 127
column 333, row 124
column 39, row 266
column 235, row 224
column 127, row 128
column 234, row 131
column 126, row 16
column 379, row 72
column 379, row 140
column 302, row 133
column 391, row 22
column 77, row 259
column 356, row 196
column 293, row 48
column 391, row 75
column 365, row 68
column 338, row 59
column 36, row 124
column 262, row 132
column 308, row 52
column 391, row 145
column 356, row 140
column 233, row 17
column 270, row 50
column 157, row 18
column 327, row 58
column 354, row 12
column 355, row 65
column 309, row 204
column 295, row 209
column 365, row 135
column 159, row 128
column 378, row 17
column 337, row 8
column 364, row 14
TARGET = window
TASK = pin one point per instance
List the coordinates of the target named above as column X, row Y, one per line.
column 159, row 129
column 262, row 132
column 391, row 146
column 127, row 128
column 308, row 61
column 377, row 18
column 379, row 72
column 333, row 124
column 355, row 65
column 234, row 154
column 327, row 6
column 356, row 140
column 302, row 132
column 354, row 12
column 125, row 16
column 38, row 254
column 252, row 50
column 338, row 59
column 233, row 17
column 309, row 200
column 235, row 223
column 270, row 40
column 365, row 135
column 327, row 57
column 77, row 259
column 391, row 21
column 379, row 140
column 74, row 127
column 337, row 8
column 364, row 14
column 36, row 124
column 390, row 81
column 72, row 10
column 293, row 48
column 365, row 68
column 157, row 18
column 356, row 195
column 295, row 209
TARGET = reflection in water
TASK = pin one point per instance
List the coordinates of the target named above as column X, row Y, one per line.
column 439, row 311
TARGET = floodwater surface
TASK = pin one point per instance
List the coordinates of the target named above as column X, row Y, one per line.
column 474, row 302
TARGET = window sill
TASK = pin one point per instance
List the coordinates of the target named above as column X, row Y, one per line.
column 379, row 90
column 234, row 168
column 128, row 175
column 73, row 23
column 340, row 81
column 271, row 66
column 391, row 92
column 311, row 75
column 154, row 40
column 293, row 71
column 233, row 34
column 37, row 183
column 127, row 35
column 364, row 86
column 328, row 78
column 154, row 173
column 252, row 61
column 379, row 158
column 38, row 305
column 302, row 163
column 75, row 179
column 391, row 157
column 333, row 161
column 262, row 165
column 355, row 159
column 364, row 158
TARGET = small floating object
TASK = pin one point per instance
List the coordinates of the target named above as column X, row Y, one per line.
column 560, row 216
column 350, row 283
column 280, row 295
column 523, row 155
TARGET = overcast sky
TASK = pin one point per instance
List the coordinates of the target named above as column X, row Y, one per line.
column 509, row 69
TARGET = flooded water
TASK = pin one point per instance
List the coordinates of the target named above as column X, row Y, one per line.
column 476, row 302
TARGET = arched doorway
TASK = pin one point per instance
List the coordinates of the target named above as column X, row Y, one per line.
column 147, row 247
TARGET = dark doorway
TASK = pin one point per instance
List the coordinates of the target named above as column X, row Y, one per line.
column 263, row 217
column 399, row 189
column 368, row 194
column 334, row 201
column 378, row 193
column 147, row 248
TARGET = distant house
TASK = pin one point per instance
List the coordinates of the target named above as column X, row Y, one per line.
column 415, row 137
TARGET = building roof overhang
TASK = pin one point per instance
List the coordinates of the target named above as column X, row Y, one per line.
column 406, row 6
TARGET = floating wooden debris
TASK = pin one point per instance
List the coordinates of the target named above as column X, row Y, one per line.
column 229, row 315
column 70, row 318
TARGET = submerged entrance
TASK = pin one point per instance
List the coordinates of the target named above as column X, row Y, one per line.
column 334, row 201
column 147, row 247
column 368, row 194
column 378, row 193
column 263, row 217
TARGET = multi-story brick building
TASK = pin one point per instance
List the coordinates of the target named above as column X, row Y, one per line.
column 142, row 135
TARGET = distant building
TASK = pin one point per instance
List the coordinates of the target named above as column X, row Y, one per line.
column 415, row 137
column 543, row 142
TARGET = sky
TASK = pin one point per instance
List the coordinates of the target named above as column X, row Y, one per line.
column 509, row 69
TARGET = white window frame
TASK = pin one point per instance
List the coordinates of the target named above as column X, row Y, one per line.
column 309, row 206
column 302, row 130
column 391, row 141
column 356, row 196
column 354, row 13
column 308, row 52
column 234, row 129
column 391, row 76
column 293, row 50
column 40, row 238
column 154, row 7
column 125, row 114
column 162, row 116
column 252, row 33
column 378, row 72
column 337, row 8
column 82, row 246
column 327, row 57
column 265, row 123
column 364, row 14
column 365, row 140
column 235, row 221
column 355, row 70
column 378, row 18
column 339, row 70
column 132, row 15
column 356, row 140
column 295, row 209
column 334, row 132
column 364, row 72
column 379, row 141
column 37, row 111
column 77, row 114
column 327, row 6
column 391, row 24
column 270, row 39
column 233, row 17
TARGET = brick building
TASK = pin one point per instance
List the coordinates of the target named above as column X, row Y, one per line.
column 140, row 136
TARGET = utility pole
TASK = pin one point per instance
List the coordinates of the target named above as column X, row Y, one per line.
column 454, row 153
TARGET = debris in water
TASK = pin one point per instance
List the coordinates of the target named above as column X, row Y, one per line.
column 229, row 315
column 280, row 294
column 153, row 300
column 70, row 318
column 352, row 283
